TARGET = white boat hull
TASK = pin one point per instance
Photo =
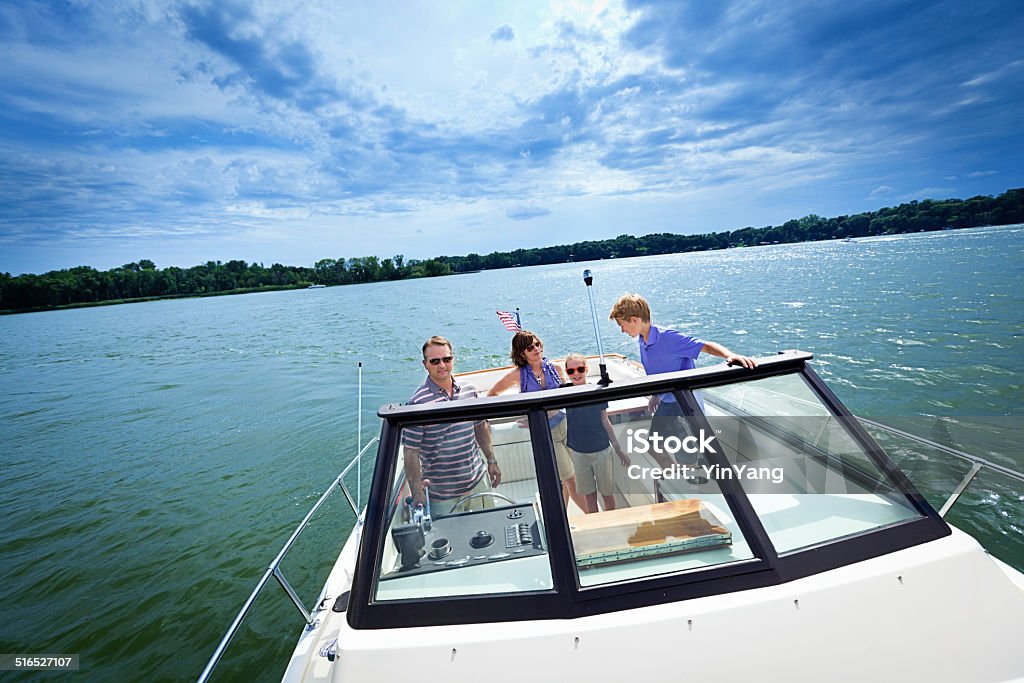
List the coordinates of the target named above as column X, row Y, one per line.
column 942, row 610
column 909, row 615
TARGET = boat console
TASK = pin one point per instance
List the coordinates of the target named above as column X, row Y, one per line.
column 469, row 538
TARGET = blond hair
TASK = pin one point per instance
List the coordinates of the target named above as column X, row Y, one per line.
column 631, row 306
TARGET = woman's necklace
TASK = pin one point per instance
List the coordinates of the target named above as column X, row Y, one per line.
column 539, row 376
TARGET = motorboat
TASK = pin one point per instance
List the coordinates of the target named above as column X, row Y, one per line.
column 799, row 552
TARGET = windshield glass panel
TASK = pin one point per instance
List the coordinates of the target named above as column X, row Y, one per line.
column 807, row 478
column 647, row 509
column 459, row 524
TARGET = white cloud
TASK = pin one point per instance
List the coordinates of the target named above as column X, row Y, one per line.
column 324, row 119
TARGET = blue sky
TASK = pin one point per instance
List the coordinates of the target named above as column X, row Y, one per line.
column 289, row 132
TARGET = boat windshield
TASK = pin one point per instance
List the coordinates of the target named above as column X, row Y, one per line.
column 679, row 481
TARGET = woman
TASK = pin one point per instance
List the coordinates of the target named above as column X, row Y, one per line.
column 534, row 372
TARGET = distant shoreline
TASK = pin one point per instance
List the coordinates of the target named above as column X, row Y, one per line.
column 279, row 288
column 141, row 281
column 163, row 297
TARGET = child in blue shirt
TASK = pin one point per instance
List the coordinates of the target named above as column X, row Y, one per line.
column 664, row 350
column 591, row 441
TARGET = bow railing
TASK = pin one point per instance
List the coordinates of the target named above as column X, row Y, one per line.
column 274, row 570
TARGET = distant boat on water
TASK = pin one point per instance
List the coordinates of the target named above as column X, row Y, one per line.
column 316, row 287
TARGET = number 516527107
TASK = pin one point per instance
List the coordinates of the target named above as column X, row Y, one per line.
column 33, row 662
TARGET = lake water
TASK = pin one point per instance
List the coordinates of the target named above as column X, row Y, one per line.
column 156, row 455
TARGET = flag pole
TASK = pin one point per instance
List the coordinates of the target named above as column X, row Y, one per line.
column 588, row 279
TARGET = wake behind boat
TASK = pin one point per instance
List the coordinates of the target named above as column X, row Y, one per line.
column 806, row 554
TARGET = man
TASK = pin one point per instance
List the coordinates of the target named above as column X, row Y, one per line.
column 455, row 459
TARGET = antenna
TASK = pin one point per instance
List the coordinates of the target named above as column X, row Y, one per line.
column 588, row 278
column 359, row 442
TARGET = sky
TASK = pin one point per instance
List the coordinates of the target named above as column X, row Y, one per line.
column 272, row 132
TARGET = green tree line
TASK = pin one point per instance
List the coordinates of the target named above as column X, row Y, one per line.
column 84, row 286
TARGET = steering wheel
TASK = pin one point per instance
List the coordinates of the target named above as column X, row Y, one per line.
column 481, row 494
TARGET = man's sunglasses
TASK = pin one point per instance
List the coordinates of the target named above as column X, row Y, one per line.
column 438, row 361
column 573, row 371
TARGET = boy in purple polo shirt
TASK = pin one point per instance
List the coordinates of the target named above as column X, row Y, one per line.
column 664, row 350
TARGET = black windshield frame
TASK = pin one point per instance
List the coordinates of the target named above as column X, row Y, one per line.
column 567, row 599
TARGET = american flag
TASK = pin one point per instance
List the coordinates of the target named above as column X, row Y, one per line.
column 509, row 321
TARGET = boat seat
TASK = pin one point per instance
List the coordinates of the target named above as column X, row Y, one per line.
column 515, row 461
column 514, row 453
column 520, row 491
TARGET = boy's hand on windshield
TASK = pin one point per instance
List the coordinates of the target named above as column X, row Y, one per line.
column 745, row 361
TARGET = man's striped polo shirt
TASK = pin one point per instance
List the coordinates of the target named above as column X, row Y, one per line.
column 449, row 455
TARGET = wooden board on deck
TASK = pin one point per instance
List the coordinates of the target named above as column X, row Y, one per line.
column 633, row 532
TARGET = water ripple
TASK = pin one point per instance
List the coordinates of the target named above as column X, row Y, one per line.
column 157, row 455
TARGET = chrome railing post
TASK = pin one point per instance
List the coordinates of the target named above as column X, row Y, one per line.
column 341, row 477
column 291, row 594
column 348, row 497
column 976, row 463
column 968, row 478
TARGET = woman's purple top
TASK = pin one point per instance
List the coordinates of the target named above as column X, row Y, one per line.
column 527, row 382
